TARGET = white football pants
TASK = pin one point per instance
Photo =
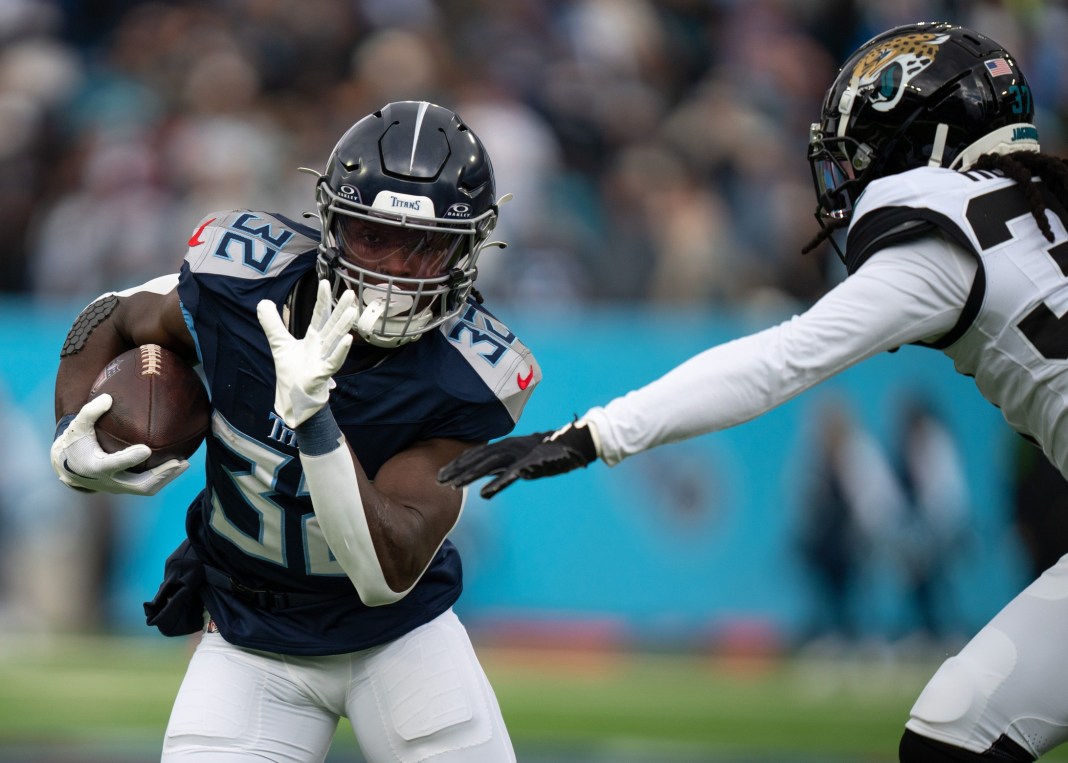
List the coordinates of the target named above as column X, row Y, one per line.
column 1011, row 679
column 423, row 697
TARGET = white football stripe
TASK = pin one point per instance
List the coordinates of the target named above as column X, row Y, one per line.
column 423, row 106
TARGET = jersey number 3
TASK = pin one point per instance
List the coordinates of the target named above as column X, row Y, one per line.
column 989, row 216
column 256, row 485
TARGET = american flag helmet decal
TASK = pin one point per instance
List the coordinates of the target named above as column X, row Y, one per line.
column 998, row 67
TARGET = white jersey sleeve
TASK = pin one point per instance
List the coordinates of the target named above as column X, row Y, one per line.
column 902, row 294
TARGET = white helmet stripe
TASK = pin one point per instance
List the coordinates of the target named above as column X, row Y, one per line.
column 423, row 106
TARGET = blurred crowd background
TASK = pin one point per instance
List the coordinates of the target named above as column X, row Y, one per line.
column 656, row 148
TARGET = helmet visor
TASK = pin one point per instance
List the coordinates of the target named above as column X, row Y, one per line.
column 838, row 170
column 830, row 177
column 411, row 253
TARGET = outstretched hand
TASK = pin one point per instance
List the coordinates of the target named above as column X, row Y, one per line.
column 527, row 457
column 304, row 367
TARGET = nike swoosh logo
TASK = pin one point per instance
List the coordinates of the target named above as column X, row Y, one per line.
column 195, row 239
column 524, row 383
column 66, row 467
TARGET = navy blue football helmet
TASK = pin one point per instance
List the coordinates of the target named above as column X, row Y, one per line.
column 417, row 169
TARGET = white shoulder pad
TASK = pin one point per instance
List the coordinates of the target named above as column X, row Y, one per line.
column 505, row 364
column 244, row 244
column 914, row 188
column 936, row 193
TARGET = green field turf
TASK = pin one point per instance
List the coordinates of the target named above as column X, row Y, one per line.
column 108, row 699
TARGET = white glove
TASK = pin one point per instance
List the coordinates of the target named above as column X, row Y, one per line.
column 303, row 367
column 82, row 464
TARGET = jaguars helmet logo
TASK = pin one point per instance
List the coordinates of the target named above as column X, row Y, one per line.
column 887, row 69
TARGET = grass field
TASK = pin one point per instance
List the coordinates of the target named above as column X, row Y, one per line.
column 94, row 700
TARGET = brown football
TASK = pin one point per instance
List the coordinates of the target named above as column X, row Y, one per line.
column 158, row 400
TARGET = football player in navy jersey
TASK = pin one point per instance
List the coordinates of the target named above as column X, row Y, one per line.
column 346, row 364
column 926, row 153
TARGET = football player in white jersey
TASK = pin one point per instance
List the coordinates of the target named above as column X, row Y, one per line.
column 926, row 152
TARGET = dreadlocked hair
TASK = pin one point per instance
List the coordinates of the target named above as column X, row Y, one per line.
column 825, row 233
column 1024, row 167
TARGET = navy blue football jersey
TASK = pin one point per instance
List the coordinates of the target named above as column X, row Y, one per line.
column 254, row 522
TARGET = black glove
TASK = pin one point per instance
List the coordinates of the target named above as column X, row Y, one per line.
column 528, row 457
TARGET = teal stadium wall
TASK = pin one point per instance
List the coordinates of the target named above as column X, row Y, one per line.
column 685, row 545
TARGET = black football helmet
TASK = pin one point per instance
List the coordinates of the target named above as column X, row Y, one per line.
column 415, row 166
column 929, row 94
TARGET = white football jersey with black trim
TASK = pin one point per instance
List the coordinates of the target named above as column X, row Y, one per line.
column 1013, row 339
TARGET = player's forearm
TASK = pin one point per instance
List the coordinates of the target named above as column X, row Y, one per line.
column 352, row 515
column 900, row 296
column 721, row 387
column 110, row 325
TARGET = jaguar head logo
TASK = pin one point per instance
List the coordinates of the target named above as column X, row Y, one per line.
column 888, row 68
